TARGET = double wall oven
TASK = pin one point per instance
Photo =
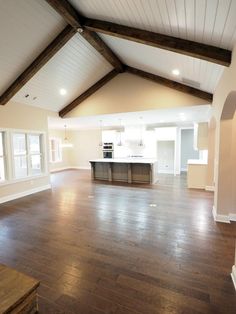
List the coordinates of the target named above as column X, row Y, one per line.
column 108, row 150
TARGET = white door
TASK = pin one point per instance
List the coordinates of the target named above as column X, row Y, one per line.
column 166, row 156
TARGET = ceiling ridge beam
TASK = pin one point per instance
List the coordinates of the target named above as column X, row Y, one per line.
column 187, row 47
column 91, row 90
column 76, row 20
column 67, row 33
column 171, row 84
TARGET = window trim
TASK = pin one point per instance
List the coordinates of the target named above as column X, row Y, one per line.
column 4, row 156
column 9, row 156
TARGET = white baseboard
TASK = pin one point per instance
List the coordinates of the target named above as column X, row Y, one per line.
column 232, row 217
column 222, row 218
column 166, row 171
column 210, row 188
column 25, row 193
column 233, row 276
column 59, row 169
column 81, row 168
column 69, row 168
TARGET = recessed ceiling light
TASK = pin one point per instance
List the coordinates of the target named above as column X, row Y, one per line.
column 63, row 91
column 176, row 72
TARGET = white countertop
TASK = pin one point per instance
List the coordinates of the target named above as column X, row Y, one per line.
column 196, row 162
column 126, row 160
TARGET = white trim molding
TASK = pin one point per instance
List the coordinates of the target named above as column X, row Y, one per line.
column 25, row 193
column 60, row 169
column 69, row 168
column 223, row 218
column 233, row 276
column 232, row 217
column 210, row 188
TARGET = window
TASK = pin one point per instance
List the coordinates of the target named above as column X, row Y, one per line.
column 2, row 158
column 20, row 155
column 55, row 150
column 27, row 154
column 35, row 154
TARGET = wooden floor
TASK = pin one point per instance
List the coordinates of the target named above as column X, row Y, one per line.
column 102, row 248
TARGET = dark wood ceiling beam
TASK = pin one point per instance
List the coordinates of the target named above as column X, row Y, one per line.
column 67, row 11
column 103, row 49
column 88, row 93
column 182, row 46
column 67, row 33
column 172, row 84
column 72, row 17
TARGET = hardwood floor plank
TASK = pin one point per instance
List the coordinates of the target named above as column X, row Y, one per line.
column 99, row 247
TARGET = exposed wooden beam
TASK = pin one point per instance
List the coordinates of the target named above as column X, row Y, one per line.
column 67, row 33
column 88, row 92
column 67, row 11
column 103, row 49
column 186, row 47
column 172, row 84
column 72, row 17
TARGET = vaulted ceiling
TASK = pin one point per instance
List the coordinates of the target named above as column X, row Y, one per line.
column 27, row 27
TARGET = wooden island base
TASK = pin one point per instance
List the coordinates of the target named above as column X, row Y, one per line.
column 18, row 292
column 125, row 170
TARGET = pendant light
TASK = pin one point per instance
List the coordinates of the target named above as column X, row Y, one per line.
column 119, row 142
column 101, row 143
column 66, row 142
column 141, row 132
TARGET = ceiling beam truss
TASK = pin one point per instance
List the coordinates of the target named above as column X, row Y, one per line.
column 72, row 17
column 178, row 45
column 171, row 84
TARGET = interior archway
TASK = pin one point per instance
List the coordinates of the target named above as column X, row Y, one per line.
column 225, row 199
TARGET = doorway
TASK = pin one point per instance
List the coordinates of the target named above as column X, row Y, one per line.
column 166, row 156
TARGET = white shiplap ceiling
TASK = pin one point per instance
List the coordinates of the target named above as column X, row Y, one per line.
column 212, row 22
column 161, row 62
column 28, row 26
column 75, row 68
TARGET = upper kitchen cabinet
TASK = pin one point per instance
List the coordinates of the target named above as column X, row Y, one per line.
column 201, row 136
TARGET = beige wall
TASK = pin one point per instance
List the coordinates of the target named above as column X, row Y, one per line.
column 17, row 116
column 234, row 164
column 65, row 163
column 86, row 147
column 127, row 93
column 210, row 180
column 226, row 85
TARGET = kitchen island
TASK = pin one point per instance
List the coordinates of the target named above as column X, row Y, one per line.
column 131, row 170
